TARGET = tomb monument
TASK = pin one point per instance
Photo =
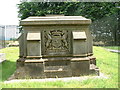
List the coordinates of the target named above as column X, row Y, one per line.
column 55, row 46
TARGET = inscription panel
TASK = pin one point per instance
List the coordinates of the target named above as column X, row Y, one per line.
column 56, row 42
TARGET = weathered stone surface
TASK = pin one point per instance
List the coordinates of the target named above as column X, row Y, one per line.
column 59, row 46
column 61, row 20
column 35, row 70
column 80, row 68
column 34, row 48
column 56, row 42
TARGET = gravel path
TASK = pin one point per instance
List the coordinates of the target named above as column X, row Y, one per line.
column 102, row 76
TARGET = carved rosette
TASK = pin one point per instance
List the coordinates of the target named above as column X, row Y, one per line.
column 56, row 42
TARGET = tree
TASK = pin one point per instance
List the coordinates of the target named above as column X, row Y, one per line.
column 96, row 11
column 92, row 10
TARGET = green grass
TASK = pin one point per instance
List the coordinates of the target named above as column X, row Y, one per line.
column 106, row 61
column 8, row 67
column 113, row 47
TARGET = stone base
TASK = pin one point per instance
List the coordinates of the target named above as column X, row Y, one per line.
column 55, row 67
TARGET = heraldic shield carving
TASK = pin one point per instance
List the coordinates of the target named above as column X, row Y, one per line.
column 56, row 42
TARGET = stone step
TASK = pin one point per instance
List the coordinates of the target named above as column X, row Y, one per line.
column 58, row 74
column 56, row 68
column 57, row 71
column 57, row 63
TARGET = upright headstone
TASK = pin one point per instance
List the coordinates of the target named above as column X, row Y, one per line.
column 2, row 57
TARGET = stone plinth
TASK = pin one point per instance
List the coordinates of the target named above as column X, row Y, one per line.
column 59, row 46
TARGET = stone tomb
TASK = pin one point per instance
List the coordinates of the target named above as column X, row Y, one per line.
column 55, row 46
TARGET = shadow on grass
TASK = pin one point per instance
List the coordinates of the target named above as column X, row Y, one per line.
column 7, row 69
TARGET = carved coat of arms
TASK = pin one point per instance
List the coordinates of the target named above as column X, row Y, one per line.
column 56, row 41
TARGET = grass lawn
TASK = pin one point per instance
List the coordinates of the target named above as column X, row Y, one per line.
column 113, row 47
column 106, row 61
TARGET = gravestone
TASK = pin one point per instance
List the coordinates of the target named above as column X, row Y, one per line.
column 2, row 57
column 55, row 46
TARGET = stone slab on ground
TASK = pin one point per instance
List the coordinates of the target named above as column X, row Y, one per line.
column 115, row 51
column 66, row 79
column 2, row 57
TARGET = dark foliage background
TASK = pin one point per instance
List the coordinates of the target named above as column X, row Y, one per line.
column 105, row 16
